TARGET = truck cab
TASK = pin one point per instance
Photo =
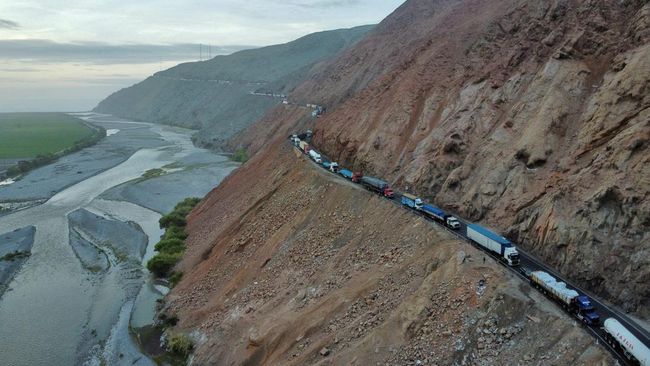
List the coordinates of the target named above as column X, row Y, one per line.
column 511, row 255
column 356, row 177
column 452, row 222
column 412, row 201
column 585, row 310
column 388, row 192
column 334, row 167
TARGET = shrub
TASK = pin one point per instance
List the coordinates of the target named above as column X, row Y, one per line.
column 180, row 344
column 175, row 278
column 240, row 155
column 170, row 246
column 172, row 219
column 162, row 263
column 175, row 232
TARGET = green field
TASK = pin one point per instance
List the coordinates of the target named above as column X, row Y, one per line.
column 26, row 135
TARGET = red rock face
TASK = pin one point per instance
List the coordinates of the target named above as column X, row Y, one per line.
column 528, row 116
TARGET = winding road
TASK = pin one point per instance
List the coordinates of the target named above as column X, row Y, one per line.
column 530, row 263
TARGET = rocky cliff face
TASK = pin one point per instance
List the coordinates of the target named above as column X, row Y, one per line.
column 288, row 265
column 215, row 95
column 531, row 117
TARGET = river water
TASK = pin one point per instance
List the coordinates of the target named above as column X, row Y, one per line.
column 57, row 312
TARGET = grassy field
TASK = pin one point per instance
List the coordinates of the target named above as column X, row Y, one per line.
column 26, row 135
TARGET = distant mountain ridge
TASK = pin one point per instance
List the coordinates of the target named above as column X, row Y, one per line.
column 215, row 95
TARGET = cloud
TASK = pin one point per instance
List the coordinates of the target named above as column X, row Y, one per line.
column 325, row 4
column 102, row 53
column 8, row 24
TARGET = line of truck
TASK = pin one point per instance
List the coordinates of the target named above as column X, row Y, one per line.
column 619, row 337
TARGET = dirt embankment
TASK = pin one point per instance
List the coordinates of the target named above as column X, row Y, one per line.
column 287, row 265
column 530, row 117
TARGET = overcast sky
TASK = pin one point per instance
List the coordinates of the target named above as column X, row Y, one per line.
column 68, row 55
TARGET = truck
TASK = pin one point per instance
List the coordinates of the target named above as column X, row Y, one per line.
column 346, row 173
column 494, row 243
column 440, row 215
column 621, row 338
column 377, row 185
column 334, row 167
column 304, row 146
column 315, row 156
column 411, row 201
column 571, row 300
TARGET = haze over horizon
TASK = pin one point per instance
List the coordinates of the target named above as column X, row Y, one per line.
column 67, row 56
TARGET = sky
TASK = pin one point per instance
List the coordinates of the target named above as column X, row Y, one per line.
column 60, row 55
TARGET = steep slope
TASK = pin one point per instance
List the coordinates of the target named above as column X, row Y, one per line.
column 215, row 95
column 308, row 269
column 528, row 116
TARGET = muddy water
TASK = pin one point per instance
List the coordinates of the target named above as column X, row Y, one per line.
column 59, row 313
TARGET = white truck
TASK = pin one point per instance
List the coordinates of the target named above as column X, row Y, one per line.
column 494, row 243
column 619, row 337
column 315, row 156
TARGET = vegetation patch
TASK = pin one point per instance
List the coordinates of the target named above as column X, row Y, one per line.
column 42, row 138
column 153, row 173
column 171, row 247
column 15, row 255
column 240, row 155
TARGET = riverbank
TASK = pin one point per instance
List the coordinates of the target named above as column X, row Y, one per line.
column 91, row 306
column 15, row 248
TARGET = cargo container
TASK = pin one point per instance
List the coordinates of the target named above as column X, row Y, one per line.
column 621, row 338
column 494, row 243
column 304, row 146
column 346, row 173
column 580, row 305
column 411, row 201
column 315, row 156
column 377, row 185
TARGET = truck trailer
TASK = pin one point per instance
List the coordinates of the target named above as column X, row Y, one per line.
column 619, row 337
column 346, row 173
column 411, row 201
column 440, row 215
column 315, row 156
column 580, row 305
column 377, row 185
column 494, row 243
column 304, row 146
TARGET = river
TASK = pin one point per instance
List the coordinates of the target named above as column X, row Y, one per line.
column 58, row 310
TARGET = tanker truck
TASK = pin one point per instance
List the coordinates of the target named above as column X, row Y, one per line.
column 619, row 337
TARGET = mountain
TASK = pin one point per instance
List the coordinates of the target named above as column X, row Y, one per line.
column 529, row 117
column 215, row 95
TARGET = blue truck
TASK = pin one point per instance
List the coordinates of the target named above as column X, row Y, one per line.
column 346, row 173
column 570, row 299
column 494, row 243
column 440, row 215
column 411, row 201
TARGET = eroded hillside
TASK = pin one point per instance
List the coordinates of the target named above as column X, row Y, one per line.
column 216, row 96
column 531, row 117
column 287, row 264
